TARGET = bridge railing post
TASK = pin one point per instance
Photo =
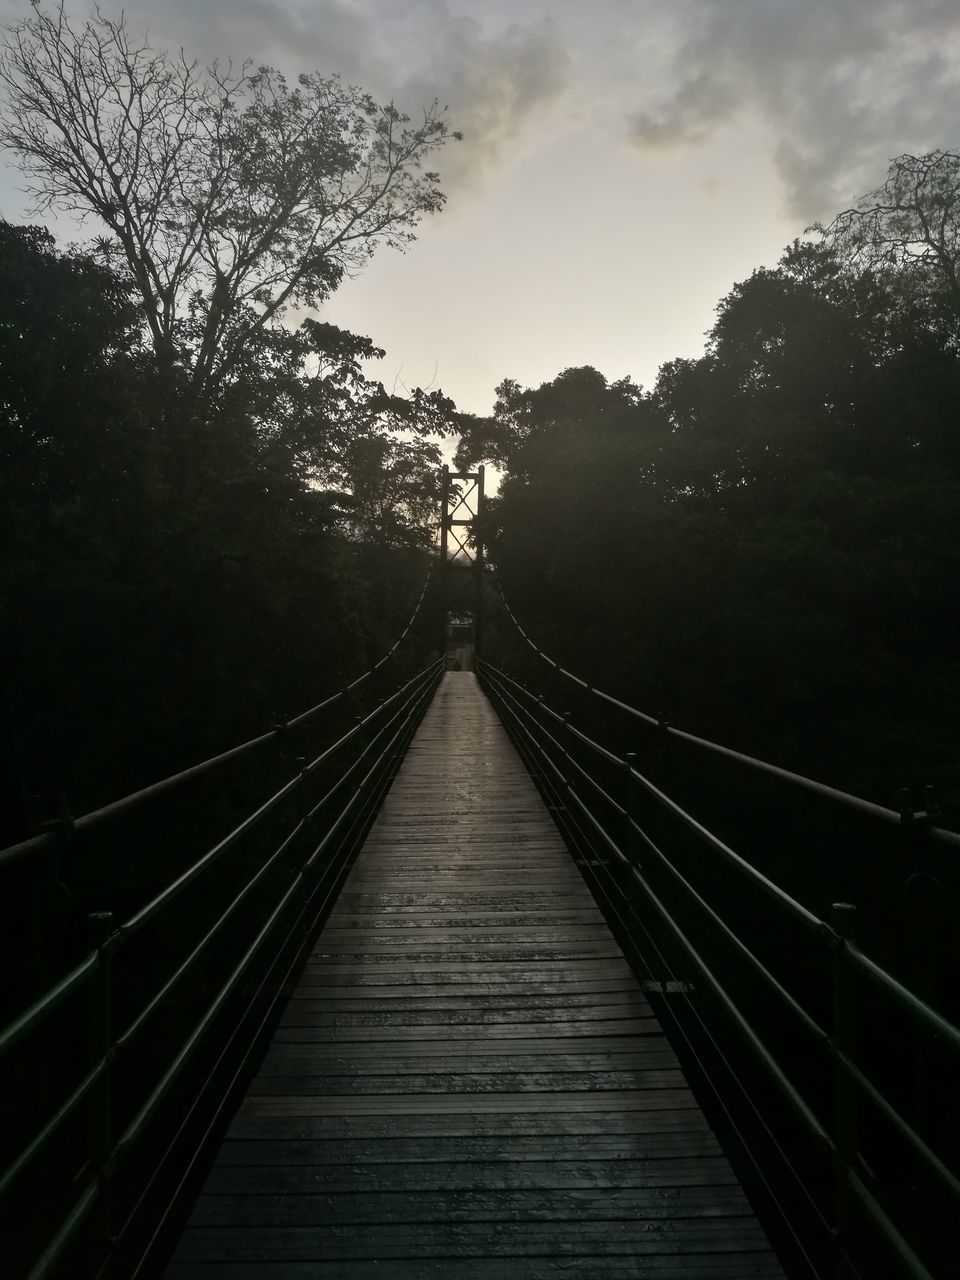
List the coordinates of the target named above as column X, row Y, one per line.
column 478, row 586
column 842, row 916
column 533, row 764
column 101, row 1098
column 54, row 894
column 566, row 743
column 556, row 800
column 565, row 738
column 631, row 804
column 921, row 944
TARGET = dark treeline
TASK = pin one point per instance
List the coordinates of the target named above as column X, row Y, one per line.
column 174, row 582
column 211, row 519
column 764, row 545
column 763, row 549
column 168, row 591
column 211, row 516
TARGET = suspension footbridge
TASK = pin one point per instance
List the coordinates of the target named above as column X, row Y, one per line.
column 467, row 1079
column 441, row 984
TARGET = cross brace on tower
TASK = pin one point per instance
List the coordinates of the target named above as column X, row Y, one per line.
column 461, row 570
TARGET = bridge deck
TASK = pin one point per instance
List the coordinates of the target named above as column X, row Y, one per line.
column 468, row 1081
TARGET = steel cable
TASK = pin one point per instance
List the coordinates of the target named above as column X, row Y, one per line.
column 47, row 839
column 867, row 807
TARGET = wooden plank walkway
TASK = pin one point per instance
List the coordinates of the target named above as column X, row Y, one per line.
column 468, row 1081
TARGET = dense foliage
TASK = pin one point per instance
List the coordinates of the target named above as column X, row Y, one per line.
column 229, row 196
column 764, row 544
column 210, row 514
column 173, row 582
column 169, row 586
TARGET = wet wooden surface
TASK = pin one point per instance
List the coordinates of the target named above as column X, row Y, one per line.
column 467, row 1080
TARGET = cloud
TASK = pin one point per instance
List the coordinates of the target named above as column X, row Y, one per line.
column 496, row 80
column 494, row 86
column 840, row 87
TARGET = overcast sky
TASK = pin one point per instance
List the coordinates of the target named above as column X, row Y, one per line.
column 625, row 161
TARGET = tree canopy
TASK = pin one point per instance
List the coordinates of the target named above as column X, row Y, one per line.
column 229, row 195
column 908, row 228
column 211, row 510
column 165, row 590
column 764, row 542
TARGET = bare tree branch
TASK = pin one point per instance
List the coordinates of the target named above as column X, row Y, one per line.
column 910, row 223
column 229, row 195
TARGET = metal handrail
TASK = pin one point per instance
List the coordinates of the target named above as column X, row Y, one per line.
column 67, row 1230
column 905, row 1130
column 512, row 707
column 34, row 1013
column 40, row 1140
column 422, row 686
column 935, row 1022
column 354, row 684
column 867, row 807
column 146, row 1112
column 390, row 751
column 189, row 961
column 151, row 908
column 565, row 816
column 45, row 1004
column 772, row 1065
column 88, row 821
column 796, row 909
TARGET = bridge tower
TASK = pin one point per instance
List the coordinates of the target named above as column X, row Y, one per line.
column 461, row 566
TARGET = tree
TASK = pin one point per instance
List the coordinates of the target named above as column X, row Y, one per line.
column 79, row 490
column 762, row 543
column 229, row 195
column 194, row 585
column 527, row 419
column 391, row 490
column 910, row 223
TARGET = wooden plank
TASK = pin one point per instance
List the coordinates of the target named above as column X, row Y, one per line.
column 467, row 1080
column 332, row 1240
column 729, row 1266
column 539, row 1006
column 514, row 1149
column 478, row 1086
column 335, row 939
column 641, row 1205
column 512, row 978
column 490, row 1047
column 381, row 921
column 294, row 1178
column 451, row 1094
column 429, row 902
column 664, row 1113
column 398, row 972
column 541, row 1075
column 569, row 990
column 451, row 959
column 350, row 1020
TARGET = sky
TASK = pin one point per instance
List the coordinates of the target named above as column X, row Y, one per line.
column 624, row 162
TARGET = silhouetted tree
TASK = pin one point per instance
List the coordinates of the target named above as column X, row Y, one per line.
column 910, row 226
column 764, row 542
column 164, row 591
column 229, row 195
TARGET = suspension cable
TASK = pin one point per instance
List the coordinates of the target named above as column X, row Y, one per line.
column 868, row 807
column 45, row 840
column 576, row 832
